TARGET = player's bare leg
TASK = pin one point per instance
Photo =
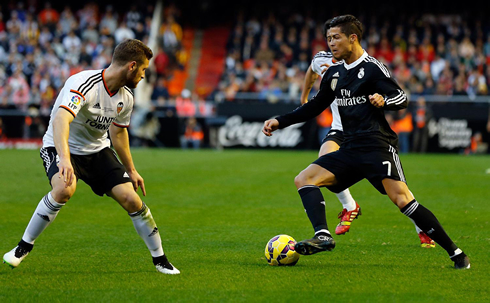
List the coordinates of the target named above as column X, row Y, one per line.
column 308, row 183
column 144, row 224
column 399, row 194
column 45, row 213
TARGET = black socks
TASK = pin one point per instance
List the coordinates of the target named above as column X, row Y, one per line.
column 314, row 205
column 426, row 221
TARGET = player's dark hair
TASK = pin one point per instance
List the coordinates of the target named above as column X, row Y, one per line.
column 348, row 25
column 131, row 50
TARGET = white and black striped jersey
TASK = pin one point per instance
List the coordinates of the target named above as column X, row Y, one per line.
column 350, row 86
column 86, row 96
column 320, row 58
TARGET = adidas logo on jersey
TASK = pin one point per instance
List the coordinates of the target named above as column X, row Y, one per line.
column 97, row 106
column 336, row 74
column 125, row 175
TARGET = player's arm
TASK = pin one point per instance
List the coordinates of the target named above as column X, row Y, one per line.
column 389, row 95
column 120, row 142
column 305, row 112
column 61, row 132
column 310, row 79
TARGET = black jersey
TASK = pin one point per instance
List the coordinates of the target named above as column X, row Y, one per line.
column 350, row 85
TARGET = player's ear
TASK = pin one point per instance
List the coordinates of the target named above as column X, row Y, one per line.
column 132, row 65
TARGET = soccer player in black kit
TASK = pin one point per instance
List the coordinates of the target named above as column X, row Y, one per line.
column 364, row 88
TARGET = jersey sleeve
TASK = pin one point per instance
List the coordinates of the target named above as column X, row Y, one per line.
column 124, row 110
column 319, row 59
column 387, row 86
column 71, row 99
column 311, row 109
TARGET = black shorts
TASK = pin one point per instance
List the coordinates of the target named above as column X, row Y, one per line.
column 334, row 135
column 101, row 171
column 352, row 165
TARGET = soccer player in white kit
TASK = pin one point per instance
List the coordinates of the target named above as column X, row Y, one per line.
column 76, row 146
column 351, row 210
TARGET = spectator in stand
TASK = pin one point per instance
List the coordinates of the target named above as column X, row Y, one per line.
column 48, row 17
column 123, row 32
column 477, row 83
column 193, row 134
column 89, row 14
column 109, row 20
column 161, row 62
column 171, row 33
column 133, row 16
column 437, row 66
column 264, row 53
column 67, row 20
column 14, row 26
column 403, row 126
column 20, row 89
column 30, row 29
column 184, row 105
column 160, row 91
column 72, row 43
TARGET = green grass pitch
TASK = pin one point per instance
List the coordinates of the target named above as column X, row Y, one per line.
column 216, row 210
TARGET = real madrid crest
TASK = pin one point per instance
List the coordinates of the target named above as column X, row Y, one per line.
column 333, row 84
column 361, row 73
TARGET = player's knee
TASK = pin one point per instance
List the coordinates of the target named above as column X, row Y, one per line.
column 303, row 179
column 62, row 195
column 131, row 202
column 400, row 199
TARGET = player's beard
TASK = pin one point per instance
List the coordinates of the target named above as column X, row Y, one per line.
column 133, row 80
column 344, row 55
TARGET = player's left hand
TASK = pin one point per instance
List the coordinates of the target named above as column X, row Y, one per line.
column 377, row 100
column 137, row 181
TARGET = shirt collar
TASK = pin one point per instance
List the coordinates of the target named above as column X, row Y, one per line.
column 356, row 63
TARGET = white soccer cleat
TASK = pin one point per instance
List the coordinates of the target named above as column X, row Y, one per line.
column 167, row 268
column 15, row 256
column 162, row 265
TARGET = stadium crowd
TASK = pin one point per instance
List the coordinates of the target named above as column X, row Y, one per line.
column 41, row 46
column 428, row 54
column 267, row 55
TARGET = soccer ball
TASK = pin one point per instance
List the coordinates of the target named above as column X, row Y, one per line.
column 280, row 251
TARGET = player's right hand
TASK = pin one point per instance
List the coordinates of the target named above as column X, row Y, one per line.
column 270, row 126
column 325, row 67
column 66, row 172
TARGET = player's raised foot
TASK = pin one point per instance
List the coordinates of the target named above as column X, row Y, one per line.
column 346, row 218
column 16, row 255
column 315, row 245
column 461, row 261
column 426, row 241
column 165, row 267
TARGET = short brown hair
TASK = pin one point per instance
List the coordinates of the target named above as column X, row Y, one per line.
column 348, row 25
column 131, row 50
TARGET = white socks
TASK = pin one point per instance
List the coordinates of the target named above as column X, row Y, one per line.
column 45, row 213
column 346, row 199
column 147, row 229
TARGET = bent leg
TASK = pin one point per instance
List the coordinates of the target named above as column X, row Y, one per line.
column 141, row 216
column 423, row 217
column 345, row 197
column 308, row 183
column 48, row 208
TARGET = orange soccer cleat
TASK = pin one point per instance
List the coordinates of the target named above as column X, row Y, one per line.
column 346, row 218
